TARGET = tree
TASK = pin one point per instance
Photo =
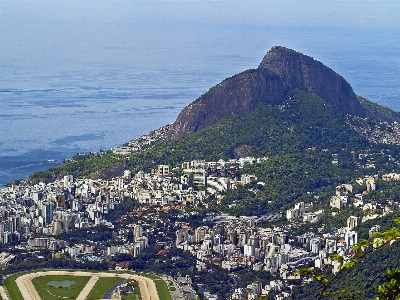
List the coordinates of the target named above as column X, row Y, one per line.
column 389, row 290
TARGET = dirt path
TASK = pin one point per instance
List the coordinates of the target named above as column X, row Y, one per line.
column 88, row 287
column 3, row 293
column 26, row 287
column 147, row 286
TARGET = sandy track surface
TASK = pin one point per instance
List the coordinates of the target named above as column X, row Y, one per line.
column 88, row 287
column 147, row 286
column 3, row 294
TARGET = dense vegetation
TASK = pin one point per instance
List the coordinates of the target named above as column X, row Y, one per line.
column 381, row 112
column 96, row 234
column 301, row 137
column 303, row 121
column 363, row 279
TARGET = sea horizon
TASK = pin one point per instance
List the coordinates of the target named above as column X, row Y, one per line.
column 101, row 85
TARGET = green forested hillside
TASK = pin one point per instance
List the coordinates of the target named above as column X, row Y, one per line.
column 310, row 150
column 380, row 112
column 362, row 280
column 304, row 121
column 300, row 137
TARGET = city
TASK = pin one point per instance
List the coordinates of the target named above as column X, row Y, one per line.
column 35, row 217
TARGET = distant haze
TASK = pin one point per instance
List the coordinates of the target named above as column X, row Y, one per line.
column 77, row 76
column 290, row 12
column 30, row 29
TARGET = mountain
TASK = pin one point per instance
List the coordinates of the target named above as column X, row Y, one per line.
column 281, row 71
column 312, row 133
column 289, row 104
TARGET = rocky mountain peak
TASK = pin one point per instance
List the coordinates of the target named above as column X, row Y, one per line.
column 299, row 71
column 280, row 71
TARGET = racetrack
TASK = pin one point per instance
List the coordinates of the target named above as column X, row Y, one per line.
column 147, row 286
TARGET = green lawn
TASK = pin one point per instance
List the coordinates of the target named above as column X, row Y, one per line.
column 102, row 286
column 137, row 293
column 12, row 287
column 129, row 297
column 161, row 285
column 48, row 292
column 162, row 289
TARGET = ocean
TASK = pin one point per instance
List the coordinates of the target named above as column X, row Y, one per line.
column 58, row 98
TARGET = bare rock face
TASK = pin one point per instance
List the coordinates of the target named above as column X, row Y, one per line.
column 281, row 71
column 235, row 96
column 299, row 71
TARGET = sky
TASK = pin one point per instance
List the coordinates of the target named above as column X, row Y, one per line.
column 317, row 12
column 28, row 27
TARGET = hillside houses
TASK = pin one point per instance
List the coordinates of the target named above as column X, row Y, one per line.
column 54, row 208
column 38, row 214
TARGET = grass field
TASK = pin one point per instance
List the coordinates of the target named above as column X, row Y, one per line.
column 12, row 287
column 162, row 289
column 161, row 285
column 135, row 285
column 48, row 292
column 135, row 295
column 102, row 286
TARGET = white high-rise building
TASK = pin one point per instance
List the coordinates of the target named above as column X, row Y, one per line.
column 47, row 211
column 137, row 232
column 352, row 222
column 199, row 172
column 330, row 246
column 248, row 250
column 68, row 180
column 315, row 245
column 351, row 238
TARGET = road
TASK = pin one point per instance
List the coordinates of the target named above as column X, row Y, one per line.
column 147, row 286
